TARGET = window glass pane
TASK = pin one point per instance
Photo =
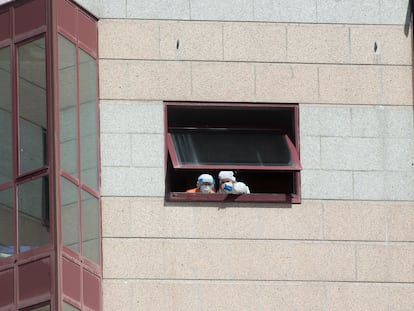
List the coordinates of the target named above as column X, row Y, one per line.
column 5, row 117
column 228, row 147
column 33, row 207
column 234, row 116
column 90, row 227
column 88, row 120
column 6, row 223
column 70, row 214
column 67, row 107
column 32, row 105
column 43, row 308
column 68, row 307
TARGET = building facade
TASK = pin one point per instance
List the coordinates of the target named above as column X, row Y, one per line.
column 334, row 231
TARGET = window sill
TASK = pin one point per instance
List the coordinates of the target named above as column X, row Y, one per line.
column 221, row 197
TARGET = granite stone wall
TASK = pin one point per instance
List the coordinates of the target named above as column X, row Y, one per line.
column 349, row 244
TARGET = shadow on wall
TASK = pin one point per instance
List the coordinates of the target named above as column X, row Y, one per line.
column 408, row 18
column 228, row 204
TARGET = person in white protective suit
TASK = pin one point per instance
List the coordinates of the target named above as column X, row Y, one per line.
column 228, row 184
column 205, row 184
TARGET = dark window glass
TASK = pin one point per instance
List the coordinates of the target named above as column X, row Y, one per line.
column 32, row 105
column 90, row 227
column 68, row 107
column 88, row 120
column 6, row 157
column 231, row 147
column 280, row 118
column 70, row 214
column 6, row 223
column 33, row 207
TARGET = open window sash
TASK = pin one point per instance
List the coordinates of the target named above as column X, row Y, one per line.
column 229, row 148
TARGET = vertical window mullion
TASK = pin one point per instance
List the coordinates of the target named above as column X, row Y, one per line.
column 78, row 149
column 15, row 135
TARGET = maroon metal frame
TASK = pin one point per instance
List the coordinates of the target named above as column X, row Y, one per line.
column 171, row 153
column 20, row 22
column 78, row 27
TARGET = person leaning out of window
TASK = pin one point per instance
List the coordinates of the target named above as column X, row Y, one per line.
column 205, row 184
column 228, row 184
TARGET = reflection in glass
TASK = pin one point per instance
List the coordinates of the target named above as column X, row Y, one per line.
column 6, row 223
column 67, row 107
column 5, row 116
column 70, row 214
column 32, row 105
column 68, row 307
column 241, row 147
column 88, row 120
column 33, row 207
column 43, row 308
column 90, row 227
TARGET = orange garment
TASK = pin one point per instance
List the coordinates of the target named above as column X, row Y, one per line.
column 195, row 190
column 192, row 190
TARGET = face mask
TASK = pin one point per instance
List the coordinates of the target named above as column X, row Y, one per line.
column 227, row 186
column 205, row 188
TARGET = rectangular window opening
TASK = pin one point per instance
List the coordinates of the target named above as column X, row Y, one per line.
column 258, row 143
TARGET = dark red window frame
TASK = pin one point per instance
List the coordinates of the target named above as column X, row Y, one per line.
column 271, row 182
column 21, row 24
column 80, row 285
